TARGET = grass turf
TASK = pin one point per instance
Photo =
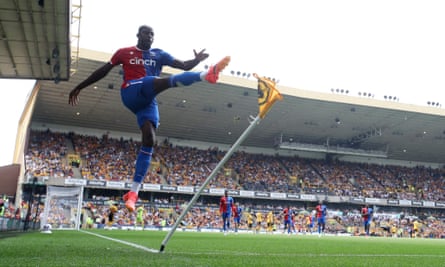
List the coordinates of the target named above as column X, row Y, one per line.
column 77, row 248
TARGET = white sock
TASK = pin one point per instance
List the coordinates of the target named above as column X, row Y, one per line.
column 203, row 75
column 135, row 187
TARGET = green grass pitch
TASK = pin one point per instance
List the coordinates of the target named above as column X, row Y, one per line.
column 141, row 248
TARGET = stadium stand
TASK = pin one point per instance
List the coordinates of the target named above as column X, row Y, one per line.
column 50, row 155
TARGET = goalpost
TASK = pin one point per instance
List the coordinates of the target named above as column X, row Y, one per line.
column 63, row 206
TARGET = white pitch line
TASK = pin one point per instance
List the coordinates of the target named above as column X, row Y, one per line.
column 122, row 242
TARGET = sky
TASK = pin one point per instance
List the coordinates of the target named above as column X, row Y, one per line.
column 384, row 47
column 13, row 96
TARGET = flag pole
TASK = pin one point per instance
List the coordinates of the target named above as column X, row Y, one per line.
column 267, row 96
column 209, row 178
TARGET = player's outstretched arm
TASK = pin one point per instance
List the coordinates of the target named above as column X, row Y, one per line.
column 94, row 77
column 190, row 64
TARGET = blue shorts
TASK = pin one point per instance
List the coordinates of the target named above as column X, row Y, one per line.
column 321, row 220
column 237, row 219
column 226, row 215
column 139, row 97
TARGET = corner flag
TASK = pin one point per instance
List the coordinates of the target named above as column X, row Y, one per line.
column 267, row 94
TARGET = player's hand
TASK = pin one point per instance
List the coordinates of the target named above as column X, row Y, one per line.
column 74, row 99
column 201, row 56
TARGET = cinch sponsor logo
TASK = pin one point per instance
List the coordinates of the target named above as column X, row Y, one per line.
column 141, row 61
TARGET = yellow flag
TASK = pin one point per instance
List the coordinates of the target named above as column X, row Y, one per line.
column 267, row 94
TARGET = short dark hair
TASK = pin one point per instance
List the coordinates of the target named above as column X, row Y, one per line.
column 144, row 27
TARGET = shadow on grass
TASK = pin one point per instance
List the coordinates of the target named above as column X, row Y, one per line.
column 8, row 234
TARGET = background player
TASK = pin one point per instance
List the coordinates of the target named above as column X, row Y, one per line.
column 140, row 217
column 321, row 211
column 287, row 219
column 309, row 223
column 237, row 211
column 416, row 228
column 269, row 222
column 250, row 222
column 111, row 216
column 259, row 221
column 367, row 217
column 225, row 209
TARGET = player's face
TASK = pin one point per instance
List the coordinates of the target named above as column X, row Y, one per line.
column 146, row 36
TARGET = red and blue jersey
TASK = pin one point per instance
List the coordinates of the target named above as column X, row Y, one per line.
column 365, row 213
column 287, row 214
column 236, row 211
column 225, row 204
column 321, row 211
column 137, row 63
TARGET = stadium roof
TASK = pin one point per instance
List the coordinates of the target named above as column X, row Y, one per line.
column 34, row 41
column 219, row 114
column 31, row 30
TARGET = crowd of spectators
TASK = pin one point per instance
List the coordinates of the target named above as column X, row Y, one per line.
column 46, row 155
column 111, row 159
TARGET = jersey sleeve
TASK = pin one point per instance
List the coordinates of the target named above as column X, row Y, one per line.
column 116, row 58
column 163, row 58
column 166, row 58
